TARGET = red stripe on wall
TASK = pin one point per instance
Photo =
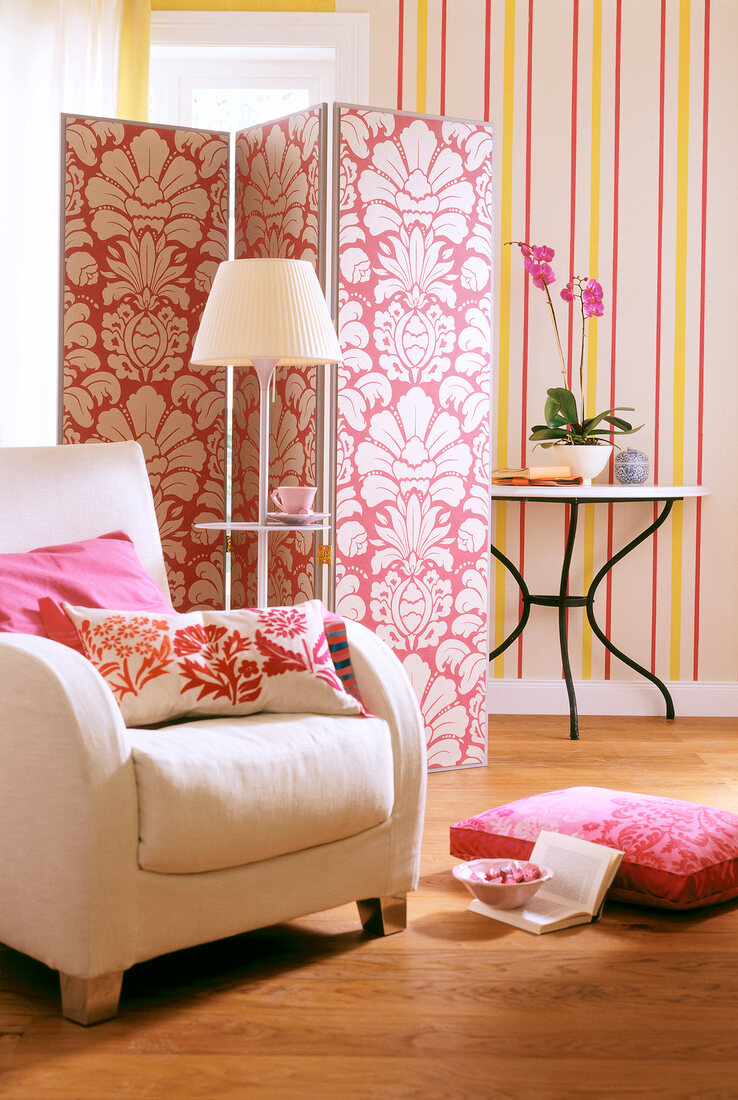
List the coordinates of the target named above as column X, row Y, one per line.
column 614, row 283
column 400, row 49
column 701, row 382
column 444, row 14
column 526, row 296
column 659, row 281
column 572, row 202
column 573, row 174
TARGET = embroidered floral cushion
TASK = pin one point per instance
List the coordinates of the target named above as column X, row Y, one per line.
column 60, row 628
column 678, row 855
column 161, row 667
column 100, row 572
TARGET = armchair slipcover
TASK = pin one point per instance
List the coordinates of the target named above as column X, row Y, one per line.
column 293, row 814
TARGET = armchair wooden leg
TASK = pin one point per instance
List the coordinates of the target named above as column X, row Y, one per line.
column 90, row 1000
column 383, row 916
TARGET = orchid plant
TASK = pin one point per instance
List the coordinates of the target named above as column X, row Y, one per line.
column 564, row 421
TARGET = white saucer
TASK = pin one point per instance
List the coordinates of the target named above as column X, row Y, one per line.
column 294, row 519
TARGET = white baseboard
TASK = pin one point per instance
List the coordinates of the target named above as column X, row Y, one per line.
column 691, row 699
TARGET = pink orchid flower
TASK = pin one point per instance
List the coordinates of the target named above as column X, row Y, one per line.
column 541, row 273
column 543, row 276
column 592, row 298
column 563, row 420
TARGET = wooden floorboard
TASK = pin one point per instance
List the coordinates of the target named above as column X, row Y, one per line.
column 643, row 1004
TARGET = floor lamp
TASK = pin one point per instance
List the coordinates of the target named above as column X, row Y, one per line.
column 263, row 313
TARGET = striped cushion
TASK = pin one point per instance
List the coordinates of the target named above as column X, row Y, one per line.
column 335, row 632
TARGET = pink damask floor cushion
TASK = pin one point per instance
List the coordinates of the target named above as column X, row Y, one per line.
column 678, row 855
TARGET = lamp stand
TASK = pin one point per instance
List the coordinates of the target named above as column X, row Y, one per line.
column 264, row 369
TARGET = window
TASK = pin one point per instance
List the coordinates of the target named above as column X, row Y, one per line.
column 229, row 70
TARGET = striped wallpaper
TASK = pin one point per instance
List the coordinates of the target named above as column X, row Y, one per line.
column 616, row 146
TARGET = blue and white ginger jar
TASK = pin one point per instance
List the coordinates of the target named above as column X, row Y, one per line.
column 631, row 467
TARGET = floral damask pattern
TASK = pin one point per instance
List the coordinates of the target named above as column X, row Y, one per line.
column 278, row 197
column 146, row 225
column 677, row 855
column 413, row 462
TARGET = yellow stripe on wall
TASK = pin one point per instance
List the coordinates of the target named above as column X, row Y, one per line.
column 422, row 65
column 133, row 74
column 680, row 329
column 591, row 351
column 503, row 391
column 133, row 70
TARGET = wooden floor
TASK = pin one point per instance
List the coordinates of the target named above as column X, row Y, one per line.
column 640, row 1005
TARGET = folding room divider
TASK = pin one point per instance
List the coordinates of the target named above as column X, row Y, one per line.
column 145, row 225
column 403, row 427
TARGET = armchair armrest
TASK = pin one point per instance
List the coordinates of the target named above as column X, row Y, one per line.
column 68, row 811
column 387, row 692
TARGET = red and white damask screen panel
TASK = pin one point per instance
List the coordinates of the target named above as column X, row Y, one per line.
column 145, row 227
column 414, row 261
column 280, row 212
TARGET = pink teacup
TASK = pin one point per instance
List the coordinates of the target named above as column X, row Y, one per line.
column 294, row 499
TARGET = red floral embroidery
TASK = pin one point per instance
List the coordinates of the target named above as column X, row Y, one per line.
column 196, row 638
column 129, row 637
column 222, row 671
column 280, row 660
column 323, row 666
column 286, row 622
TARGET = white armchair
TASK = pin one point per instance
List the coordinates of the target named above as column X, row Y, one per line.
column 293, row 813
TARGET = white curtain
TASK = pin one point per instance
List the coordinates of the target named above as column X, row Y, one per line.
column 55, row 56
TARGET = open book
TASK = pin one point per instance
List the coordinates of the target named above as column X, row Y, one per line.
column 582, row 875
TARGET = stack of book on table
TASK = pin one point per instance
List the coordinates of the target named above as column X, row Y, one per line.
column 535, row 475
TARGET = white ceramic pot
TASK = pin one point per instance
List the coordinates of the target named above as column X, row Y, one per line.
column 583, row 461
column 631, row 467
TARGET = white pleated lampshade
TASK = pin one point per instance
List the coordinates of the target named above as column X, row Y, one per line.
column 266, row 309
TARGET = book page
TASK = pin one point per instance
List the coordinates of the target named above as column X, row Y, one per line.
column 540, row 916
column 580, row 869
column 545, row 909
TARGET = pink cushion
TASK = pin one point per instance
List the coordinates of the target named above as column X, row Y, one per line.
column 162, row 667
column 678, row 855
column 100, row 572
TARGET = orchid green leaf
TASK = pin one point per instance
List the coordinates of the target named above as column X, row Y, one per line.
column 589, row 424
column 548, row 433
column 550, row 410
column 566, row 403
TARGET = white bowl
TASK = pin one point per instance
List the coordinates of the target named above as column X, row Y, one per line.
column 584, row 460
column 502, row 895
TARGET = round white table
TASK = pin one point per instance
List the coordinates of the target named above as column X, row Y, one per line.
column 574, row 495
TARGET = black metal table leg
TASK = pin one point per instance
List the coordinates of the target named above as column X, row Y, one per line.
column 563, row 634
column 562, row 601
column 663, row 516
column 526, row 603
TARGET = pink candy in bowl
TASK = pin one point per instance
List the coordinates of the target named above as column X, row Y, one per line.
column 502, row 883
